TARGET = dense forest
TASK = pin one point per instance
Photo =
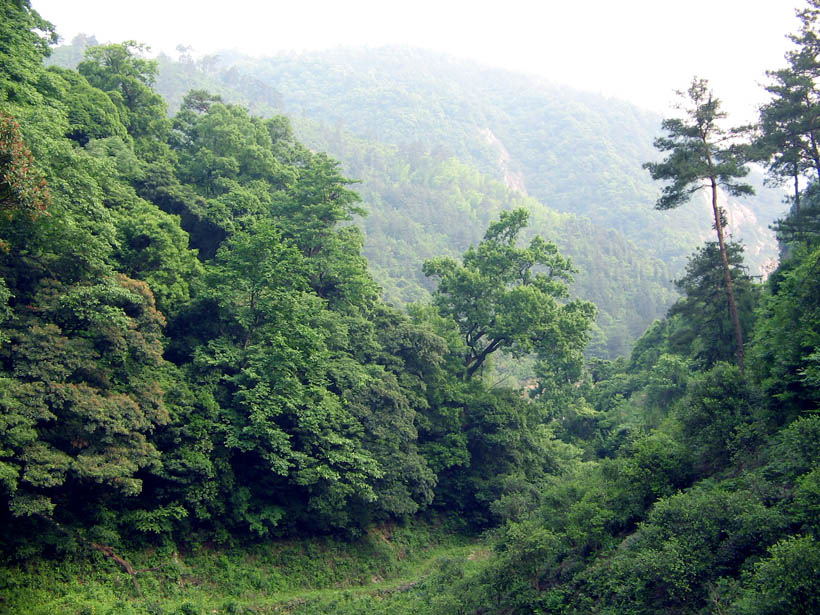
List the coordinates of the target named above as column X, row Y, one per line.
column 441, row 146
column 221, row 391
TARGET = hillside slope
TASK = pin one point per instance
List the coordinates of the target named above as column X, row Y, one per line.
column 441, row 145
column 574, row 151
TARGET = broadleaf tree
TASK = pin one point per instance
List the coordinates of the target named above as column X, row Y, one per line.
column 505, row 297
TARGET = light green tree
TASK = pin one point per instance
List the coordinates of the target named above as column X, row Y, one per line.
column 128, row 78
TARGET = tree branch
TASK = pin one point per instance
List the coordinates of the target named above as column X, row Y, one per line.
column 104, row 549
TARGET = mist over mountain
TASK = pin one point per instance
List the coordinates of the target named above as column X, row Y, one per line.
column 440, row 145
column 397, row 118
column 573, row 151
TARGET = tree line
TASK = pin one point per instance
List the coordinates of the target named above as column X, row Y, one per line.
column 193, row 345
column 700, row 492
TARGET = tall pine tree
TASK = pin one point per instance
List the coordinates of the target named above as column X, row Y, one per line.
column 700, row 155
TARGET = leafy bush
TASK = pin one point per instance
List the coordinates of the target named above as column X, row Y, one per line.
column 716, row 416
column 784, row 582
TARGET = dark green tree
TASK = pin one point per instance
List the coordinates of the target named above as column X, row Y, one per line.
column 715, row 416
column 785, row 581
column 789, row 130
column 84, row 394
column 701, row 156
column 704, row 329
column 801, row 225
column 787, row 339
column 272, row 366
column 788, row 141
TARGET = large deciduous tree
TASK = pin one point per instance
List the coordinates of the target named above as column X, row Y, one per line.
column 25, row 38
column 504, row 297
column 127, row 78
column 701, row 156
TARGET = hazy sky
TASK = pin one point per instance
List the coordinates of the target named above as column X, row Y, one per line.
column 640, row 50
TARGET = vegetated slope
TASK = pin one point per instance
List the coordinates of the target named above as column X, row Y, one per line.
column 424, row 203
column 425, row 200
column 574, row 151
column 427, row 135
column 299, row 576
column 676, row 483
column 192, row 347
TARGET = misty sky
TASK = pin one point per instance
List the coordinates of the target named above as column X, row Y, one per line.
column 639, row 50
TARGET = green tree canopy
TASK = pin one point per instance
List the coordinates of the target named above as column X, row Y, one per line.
column 24, row 42
column 503, row 297
column 127, row 77
column 705, row 330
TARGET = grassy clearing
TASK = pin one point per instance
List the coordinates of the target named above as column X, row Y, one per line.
column 391, row 566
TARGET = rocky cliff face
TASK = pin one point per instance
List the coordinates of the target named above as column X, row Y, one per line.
column 513, row 177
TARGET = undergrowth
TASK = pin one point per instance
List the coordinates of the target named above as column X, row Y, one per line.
column 392, row 567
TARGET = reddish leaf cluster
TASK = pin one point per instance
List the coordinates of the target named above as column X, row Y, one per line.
column 22, row 186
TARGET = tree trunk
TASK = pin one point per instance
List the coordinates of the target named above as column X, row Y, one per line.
column 104, row 549
column 474, row 361
column 727, row 275
column 814, row 153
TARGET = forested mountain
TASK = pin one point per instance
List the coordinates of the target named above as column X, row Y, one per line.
column 441, row 146
column 573, row 151
column 192, row 338
column 425, row 203
column 206, row 405
column 389, row 115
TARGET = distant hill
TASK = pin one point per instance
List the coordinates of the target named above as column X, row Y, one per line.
column 574, row 151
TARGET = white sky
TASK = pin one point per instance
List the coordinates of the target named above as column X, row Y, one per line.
column 638, row 50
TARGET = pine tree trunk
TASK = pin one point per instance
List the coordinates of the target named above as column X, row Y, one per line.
column 814, row 153
column 727, row 275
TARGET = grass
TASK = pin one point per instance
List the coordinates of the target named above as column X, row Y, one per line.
column 392, row 567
